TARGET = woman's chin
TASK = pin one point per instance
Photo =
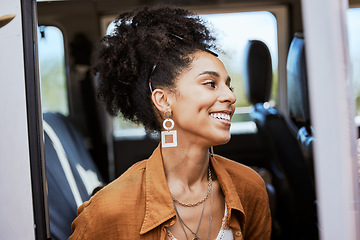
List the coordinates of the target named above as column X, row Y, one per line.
column 223, row 140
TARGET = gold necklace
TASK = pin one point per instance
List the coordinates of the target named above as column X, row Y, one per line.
column 182, row 223
column 198, row 202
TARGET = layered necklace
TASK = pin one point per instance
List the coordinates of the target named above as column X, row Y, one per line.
column 182, row 223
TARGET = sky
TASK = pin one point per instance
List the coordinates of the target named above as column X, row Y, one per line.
column 236, row 29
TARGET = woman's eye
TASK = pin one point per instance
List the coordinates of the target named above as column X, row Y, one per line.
column 210, row 84
column 231, row 88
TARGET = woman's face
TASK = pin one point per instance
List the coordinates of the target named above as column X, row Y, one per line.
column 203, row 102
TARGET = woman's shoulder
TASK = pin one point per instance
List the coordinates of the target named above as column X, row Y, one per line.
column 120, row 194
column 113, row 206
column 129, row 183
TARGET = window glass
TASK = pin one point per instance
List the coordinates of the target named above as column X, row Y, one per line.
column 353, row 21
column 249, row 26
column 233, row 31
column 52, row 70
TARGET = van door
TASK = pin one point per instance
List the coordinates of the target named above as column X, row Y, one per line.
column 22, row 176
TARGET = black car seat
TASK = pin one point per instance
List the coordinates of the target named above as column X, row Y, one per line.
column 298, row 99
column 71, row 174
column 295, row 193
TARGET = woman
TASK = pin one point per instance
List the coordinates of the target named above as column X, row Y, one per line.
column 157, row 69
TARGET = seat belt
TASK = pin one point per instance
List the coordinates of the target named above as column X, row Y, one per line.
column 64, row 162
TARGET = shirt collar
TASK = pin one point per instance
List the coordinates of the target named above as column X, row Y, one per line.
column 227, row 186
column 159, row 205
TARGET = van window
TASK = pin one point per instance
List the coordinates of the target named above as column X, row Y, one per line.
column 52, row 70
column 353, row 22
column 233, row 31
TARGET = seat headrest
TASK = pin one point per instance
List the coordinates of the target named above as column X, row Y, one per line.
column 297, row 88
column 257, row 72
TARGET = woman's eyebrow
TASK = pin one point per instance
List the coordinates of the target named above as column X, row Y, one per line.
column 215, row 74
column 212, row 73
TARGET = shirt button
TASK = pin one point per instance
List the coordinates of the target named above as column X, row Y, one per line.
column 238, row 233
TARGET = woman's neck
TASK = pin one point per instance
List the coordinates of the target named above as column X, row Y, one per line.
column 186, row 165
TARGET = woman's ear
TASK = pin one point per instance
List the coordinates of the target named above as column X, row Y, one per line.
column 160, row 99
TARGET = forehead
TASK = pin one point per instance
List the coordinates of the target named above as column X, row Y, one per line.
column 203, row 62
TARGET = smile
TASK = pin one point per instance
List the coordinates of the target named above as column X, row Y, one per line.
column 221, row 116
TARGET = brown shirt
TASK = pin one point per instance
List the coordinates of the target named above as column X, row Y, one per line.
column 138, row 204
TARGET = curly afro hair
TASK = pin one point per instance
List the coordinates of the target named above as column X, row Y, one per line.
column 163, row 37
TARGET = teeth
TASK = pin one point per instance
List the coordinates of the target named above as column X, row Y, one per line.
column 222, row 116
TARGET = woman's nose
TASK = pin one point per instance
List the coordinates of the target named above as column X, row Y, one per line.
column 227, row 95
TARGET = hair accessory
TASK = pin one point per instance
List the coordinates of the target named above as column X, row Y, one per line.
column 186, row 41
column 150, row 75
column 168, row 138
column 177, row 36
